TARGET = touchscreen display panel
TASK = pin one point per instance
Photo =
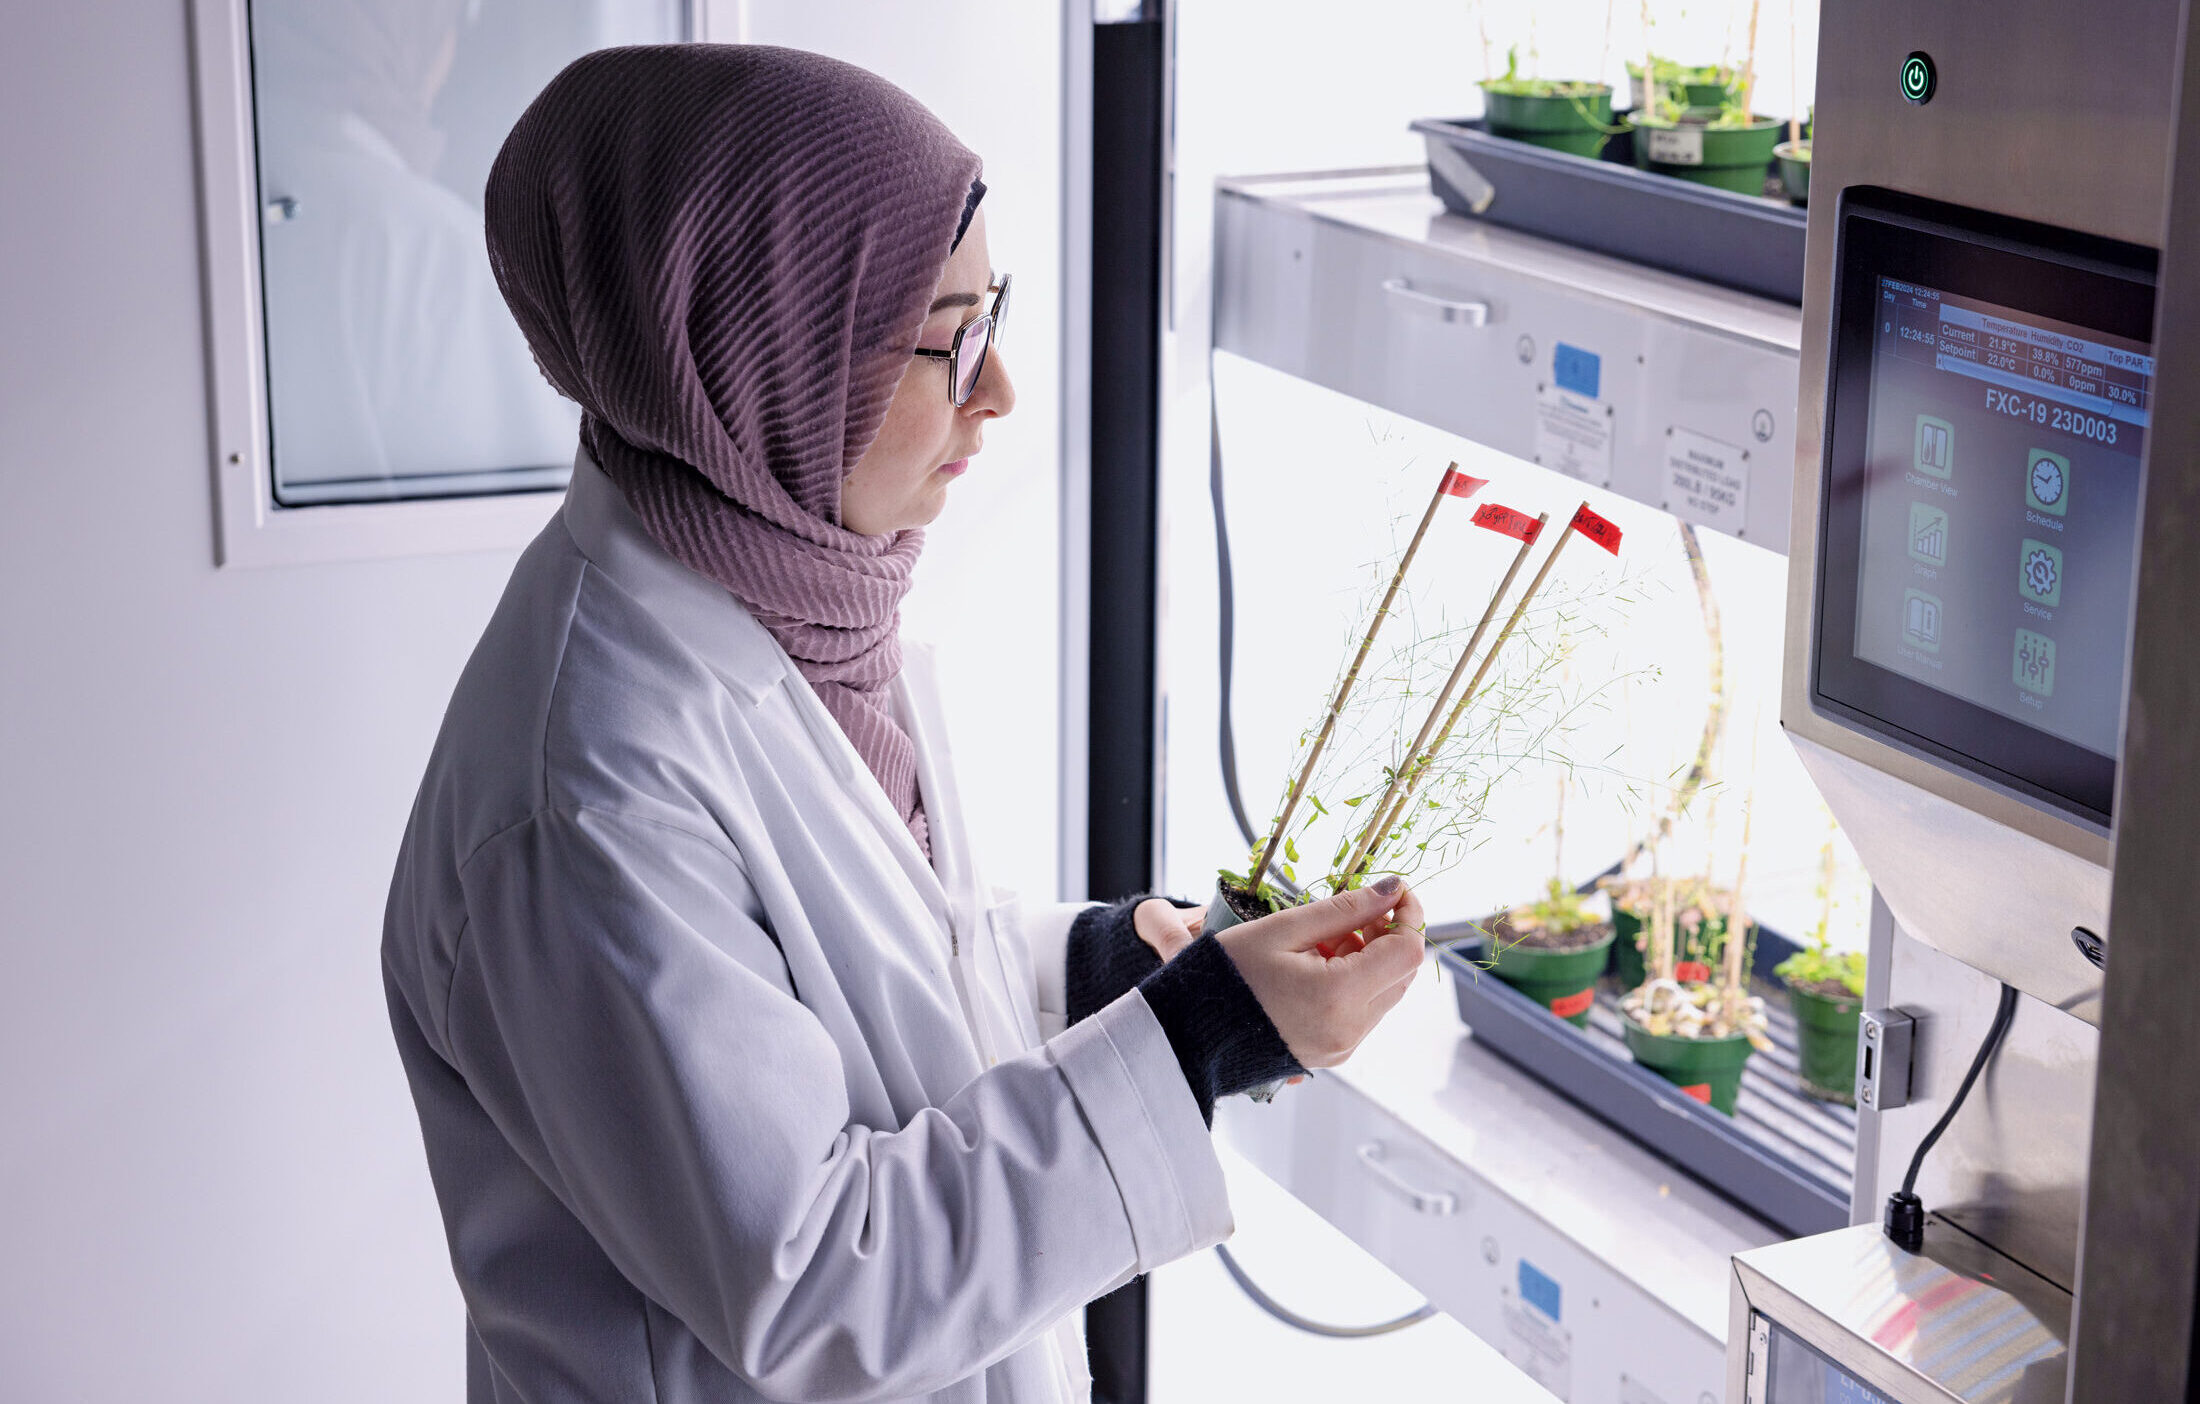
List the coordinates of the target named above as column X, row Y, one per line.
column 1800, row 1375
column 2001, row 506
column 1988, row 397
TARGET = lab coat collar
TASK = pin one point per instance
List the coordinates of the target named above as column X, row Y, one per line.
column 698, row 611
column 743, row 655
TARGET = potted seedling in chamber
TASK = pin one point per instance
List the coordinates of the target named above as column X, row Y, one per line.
column 1826, row 990
column 1728, row 147
column 1574, row 116
column 1554, row 948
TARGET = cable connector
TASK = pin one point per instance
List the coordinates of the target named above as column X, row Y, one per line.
column 1905, row 1221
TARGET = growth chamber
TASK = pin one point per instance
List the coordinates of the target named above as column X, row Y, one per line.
column 1892, row 633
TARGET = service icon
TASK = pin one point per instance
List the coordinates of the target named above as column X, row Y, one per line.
column 2040, row 572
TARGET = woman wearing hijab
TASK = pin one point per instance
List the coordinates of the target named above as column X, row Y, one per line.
column 736, row 1082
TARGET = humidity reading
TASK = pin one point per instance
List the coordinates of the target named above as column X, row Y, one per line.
column 2000, row 507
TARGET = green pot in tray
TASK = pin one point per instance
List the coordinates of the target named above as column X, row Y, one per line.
column 1825, row 1027
column 1563, row 981
column 1733, row 158
column 1575, row 118
column 1708, row 1069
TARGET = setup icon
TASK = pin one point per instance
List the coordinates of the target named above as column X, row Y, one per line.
column 2033, row 668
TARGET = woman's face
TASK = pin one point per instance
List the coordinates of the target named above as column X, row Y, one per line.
column 927, row 442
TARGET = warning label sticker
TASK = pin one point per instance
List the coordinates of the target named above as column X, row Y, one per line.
column 1542, row 1348
column 1573, row 435
column 1706, row 482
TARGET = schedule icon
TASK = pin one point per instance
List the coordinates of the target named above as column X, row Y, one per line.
column 2047, row 482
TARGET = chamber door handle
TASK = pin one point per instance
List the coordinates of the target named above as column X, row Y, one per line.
column 1468, row 312
column 1436, row 1202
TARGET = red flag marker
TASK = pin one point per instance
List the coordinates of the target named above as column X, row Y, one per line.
column 1602, row 532
column 1519, row 525
column 1459, row 484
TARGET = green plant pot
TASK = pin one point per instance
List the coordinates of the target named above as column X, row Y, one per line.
column 1794, row 161
column 1627, row 961
column 1578, row 126
column 1708, row 1069
column 1826, row 1031
column 1727, row 158
column 1562, row 981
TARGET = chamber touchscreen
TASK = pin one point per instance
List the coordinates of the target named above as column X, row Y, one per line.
column 1797, row 1374
column 2000, row 508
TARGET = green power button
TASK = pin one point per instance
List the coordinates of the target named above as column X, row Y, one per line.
column 1918, row 79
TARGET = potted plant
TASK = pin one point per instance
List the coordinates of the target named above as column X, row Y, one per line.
column 1699, row 927
column 1698, row 1034
column 1426, row 803
column 1729, row 147
column 1570, row 116
column 1826, row 989
column 1793, row 157
column 1695, row 87
column 1552, row 950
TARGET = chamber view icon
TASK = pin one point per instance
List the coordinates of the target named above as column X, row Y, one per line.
column 1936, row 446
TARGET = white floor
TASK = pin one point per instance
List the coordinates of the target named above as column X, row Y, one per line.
column 1211, row 1343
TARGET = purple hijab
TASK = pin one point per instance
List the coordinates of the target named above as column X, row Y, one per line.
column 724, row 254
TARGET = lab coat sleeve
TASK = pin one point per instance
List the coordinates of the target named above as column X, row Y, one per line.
column 1044, row 930
column 630, row 1031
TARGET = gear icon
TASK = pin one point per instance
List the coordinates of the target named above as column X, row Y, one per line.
column 2042, row 573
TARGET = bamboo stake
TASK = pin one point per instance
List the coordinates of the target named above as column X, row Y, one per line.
column 1408, row 776
column 1737, row 913
column 1795, row 88
column 1658, row 959
column 1344, row 687
column 1749, row 67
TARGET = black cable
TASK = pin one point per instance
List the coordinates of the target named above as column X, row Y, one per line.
column 1226, row 602
column 1905, row 1217
column 1306, row 1323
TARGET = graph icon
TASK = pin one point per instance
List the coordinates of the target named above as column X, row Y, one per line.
column 1936, row 446
column 1928, row 534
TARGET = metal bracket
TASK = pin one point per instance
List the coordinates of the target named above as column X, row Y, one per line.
column 1883, row 1059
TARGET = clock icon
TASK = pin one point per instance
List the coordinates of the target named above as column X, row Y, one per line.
column 2047, row 484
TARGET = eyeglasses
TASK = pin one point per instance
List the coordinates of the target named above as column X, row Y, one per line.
column 965, row 355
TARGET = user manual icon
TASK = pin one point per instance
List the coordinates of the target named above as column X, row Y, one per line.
column 1936, row 446
column 1921, row 620
column 1928, row 534
column 2034, row 667
column 2047, row 482
column 2039, row 572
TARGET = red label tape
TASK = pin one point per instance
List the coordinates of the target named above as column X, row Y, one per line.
column 1459, row 484
column 1567, row 1006
column 1602, row 532
column 1506, row 522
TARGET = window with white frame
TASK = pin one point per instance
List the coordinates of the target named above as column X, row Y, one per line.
column 363, row 357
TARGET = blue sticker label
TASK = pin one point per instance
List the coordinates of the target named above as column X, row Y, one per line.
column 1537, row 1290
column 1576, row 370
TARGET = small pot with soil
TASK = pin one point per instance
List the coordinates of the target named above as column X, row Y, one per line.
column 1826, row 990
column 1682, row 1033
column 1729, row 153
column 1699, row 929
column 1701, row 89
column 1794, row 161
column 1574, row 117
column 1552, row 951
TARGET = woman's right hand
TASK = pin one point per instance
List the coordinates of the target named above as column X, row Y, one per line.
column 1321, row 1004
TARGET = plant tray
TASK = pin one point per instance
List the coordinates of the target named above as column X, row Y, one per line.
column 1606, row 204
column 1785, row 1157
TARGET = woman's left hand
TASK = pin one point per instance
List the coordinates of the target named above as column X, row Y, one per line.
column 1166, row 927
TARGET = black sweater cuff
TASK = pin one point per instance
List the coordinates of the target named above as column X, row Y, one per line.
column 1106, row 960
column 1222, row 1038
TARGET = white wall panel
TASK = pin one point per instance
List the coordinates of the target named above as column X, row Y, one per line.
column 987, row 592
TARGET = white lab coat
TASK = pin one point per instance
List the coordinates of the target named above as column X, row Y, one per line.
column 727, row 1093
